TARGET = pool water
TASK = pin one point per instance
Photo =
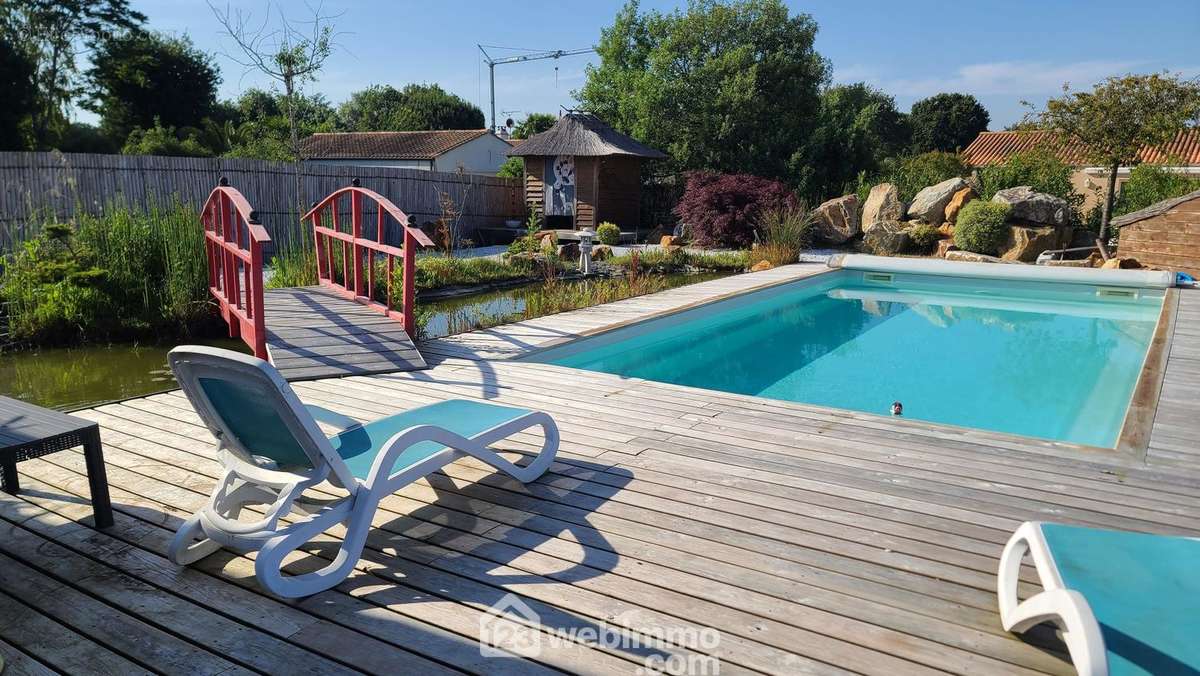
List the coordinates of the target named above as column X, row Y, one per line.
column 1057, row 361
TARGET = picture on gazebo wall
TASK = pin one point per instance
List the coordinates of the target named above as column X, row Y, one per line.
column 560, row 186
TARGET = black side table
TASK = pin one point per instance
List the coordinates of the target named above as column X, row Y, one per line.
column 28, row 431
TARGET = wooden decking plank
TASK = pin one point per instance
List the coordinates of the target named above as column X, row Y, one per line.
column 379, row 616
column 56, row 645
column 15, row 662
column 927, row 629
column 116, row 630
column 313, row 332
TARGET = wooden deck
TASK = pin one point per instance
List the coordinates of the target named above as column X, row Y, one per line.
column 312, row 332
column 1175, row 434
column 813, row 540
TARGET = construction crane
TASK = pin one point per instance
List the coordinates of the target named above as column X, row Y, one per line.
column 533, row 56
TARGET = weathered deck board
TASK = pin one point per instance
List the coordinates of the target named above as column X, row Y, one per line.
column 313, row 332
column 813, row 540
column 1175, row 433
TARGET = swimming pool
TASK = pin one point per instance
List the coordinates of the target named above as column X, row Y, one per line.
column 1045, row 359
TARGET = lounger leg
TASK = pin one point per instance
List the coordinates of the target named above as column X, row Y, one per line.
column 190, row 544
column 478, row 448
column 268, row 565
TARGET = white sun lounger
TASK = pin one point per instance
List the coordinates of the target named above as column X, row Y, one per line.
column 1127, row 603
column 272, row 451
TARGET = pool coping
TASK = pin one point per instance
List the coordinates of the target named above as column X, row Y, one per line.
column 1134, row 438
column 1132, row 441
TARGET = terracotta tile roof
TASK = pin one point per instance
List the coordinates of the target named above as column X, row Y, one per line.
column 994, row 147
column 385, row 145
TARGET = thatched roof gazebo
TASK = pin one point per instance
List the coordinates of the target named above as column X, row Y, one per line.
column 581, row 172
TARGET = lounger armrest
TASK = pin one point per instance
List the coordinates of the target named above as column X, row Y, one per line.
column 1065, row 607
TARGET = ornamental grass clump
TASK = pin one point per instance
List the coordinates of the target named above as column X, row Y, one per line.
column 981, row 227
column 124, row 274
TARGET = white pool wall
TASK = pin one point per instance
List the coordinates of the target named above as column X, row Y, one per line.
column 1145, row 279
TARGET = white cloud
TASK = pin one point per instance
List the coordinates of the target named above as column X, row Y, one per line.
column 1009, row 78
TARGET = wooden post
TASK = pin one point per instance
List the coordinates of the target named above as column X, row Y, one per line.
column 409, row 297
column 228, row 265
column 356, row 233
column 259, row 317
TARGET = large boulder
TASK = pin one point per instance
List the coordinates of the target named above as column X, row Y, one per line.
column 1026, row 242
column 886, row 238
column 957, row 202
column 883, row 204
column 837, row 220
column 945, row 246
column 929, row 205
column 1121, row 264
column 1034, row 207
column 972, row 257
column 568, row 251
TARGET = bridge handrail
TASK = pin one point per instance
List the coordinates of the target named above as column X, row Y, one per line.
column 358, row 280
column 233, row 244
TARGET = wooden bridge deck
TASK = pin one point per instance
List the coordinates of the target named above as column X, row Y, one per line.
column 312, row 332
column 814, row 540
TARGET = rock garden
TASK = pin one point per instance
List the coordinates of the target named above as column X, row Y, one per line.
column 950, row 220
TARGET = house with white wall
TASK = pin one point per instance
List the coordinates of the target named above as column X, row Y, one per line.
column 470, row 151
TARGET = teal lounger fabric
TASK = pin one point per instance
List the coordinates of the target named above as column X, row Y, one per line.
column 358, row 446
column 1144, row 591
column 253, row 420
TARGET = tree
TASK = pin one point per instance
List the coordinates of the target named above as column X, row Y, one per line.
column 139, row 77
column 858, row 127
column 20, row 95
column 1119, row 117
column 417, row 107
column 286, row 55
column 513, row 167
column 261, row 129
column 730, row 87
column 52, row 33
column 536, row 123
column 946, row 122
column 166, row 140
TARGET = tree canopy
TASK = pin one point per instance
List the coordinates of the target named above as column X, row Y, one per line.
column 139, row 77
column 722, row 86
column 52, row 33
column 417, row 107
column 857, row 129
column 946, row 122
column 20, row 95
column 1119, row 116
column 536, row 123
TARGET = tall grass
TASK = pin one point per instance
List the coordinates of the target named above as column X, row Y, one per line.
column 786, row 231
column 124, row 273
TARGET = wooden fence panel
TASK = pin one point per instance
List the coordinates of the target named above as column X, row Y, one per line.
column 36, row 185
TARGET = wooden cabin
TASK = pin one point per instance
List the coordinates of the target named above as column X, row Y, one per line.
column 581, row 172
column 1166, row 234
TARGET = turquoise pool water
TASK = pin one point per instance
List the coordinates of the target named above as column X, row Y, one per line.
column 1057, row 361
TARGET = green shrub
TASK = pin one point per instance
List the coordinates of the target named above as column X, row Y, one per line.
column 981, row 227
column 924, row 237
column 608, row 233
column 1038, row 168
column 1149, row 184
column 123, row 274
column 913, row 173
column 513, row 167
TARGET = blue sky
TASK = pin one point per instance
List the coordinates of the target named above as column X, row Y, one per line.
column 1002, row 52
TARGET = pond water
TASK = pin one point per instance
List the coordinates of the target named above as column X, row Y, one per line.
column 79, row 377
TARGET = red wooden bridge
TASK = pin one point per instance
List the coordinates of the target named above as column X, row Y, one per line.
column 355, row 320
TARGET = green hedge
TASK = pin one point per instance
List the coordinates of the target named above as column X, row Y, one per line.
column 981, row 227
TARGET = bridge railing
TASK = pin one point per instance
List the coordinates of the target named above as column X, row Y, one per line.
column 233, row 243
column 350, row 261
